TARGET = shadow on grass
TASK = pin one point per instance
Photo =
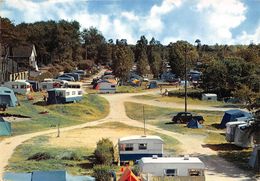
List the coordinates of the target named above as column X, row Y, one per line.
column 13, row 115
column 40, row 103
column 217, row 126
column 222, row 147
column 86, row 165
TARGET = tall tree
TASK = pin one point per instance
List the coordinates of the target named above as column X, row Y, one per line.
column 141, row 56
column 92, row 40
column 123, row 61
column 177, row 54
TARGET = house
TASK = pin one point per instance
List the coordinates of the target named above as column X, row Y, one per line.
column 7, row 98
column 5, row 127
column 59, row 175
column 18, row 63
column 64, row 95
column 177, row 168
column 209, row 97
column 134, row 148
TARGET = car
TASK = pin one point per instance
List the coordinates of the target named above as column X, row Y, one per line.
column 185, row 117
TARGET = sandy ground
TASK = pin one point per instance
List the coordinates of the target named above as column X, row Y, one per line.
column 16, row 119
column 217, row 168
column 89, row 137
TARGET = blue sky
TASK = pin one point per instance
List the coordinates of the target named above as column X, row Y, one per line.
column 211, row 21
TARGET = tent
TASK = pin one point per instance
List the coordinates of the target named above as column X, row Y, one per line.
column 128, row 175
column 5, row 127
column 231, row 115
column 254, row 161
column 7, row 97
column 60, row 175
column 194, row 124
column 152, row 85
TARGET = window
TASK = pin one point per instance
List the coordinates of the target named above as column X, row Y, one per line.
column 143, row 146
column 73, row 92
column 194, row 172
column 170, row 172
column 67, row 93
column 7, row 91
column 44, row 86
column 23, row 86
column 113, row 86
column 129, row 147
column 79, row 92
column 14, row 86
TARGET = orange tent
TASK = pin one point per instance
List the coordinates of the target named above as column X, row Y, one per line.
column 128, row 176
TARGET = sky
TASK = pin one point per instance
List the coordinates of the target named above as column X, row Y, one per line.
column 210, row 21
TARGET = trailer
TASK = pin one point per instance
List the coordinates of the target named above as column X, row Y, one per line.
column 133, row 148
column 106, row 87
column 176, row 168
column 48, row 84
column 64, row 95
column 19, row 86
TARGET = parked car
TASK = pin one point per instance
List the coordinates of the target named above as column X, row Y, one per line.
column 66, row 77
column 185, row 117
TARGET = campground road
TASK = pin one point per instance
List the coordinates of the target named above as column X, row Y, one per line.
column 217, row 168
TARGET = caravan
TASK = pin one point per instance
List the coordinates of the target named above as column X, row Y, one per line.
column 133, row 148
column 63, row 95
column 19, row 86
column 177, row 168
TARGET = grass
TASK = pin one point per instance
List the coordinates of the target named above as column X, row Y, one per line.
column 128, row 89
column 73, row 160
column 161, row 117
column 92, row 107
column 191, row 101
column 77, row 161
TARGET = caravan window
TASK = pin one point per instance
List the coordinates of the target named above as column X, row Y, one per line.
column 170, row 172
column 73, row 92
column 113, row 86
column 67, row 93
column 143, row 146
column 79, row 92
column 194, row 172
column 129, row 147
column 14, row 86
column 23, row 86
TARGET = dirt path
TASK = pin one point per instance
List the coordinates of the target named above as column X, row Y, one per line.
column 217, row 168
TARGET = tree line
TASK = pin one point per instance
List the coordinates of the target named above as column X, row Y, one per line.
column 227, row 69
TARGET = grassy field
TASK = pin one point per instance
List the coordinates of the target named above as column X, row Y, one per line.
column 92, row 107
column 129, row 89
column 162, row 118
column 190, row 101
column 76, row 160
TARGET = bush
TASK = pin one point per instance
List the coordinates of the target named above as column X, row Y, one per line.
column 104, row 152
column 44, row 76
column 102, row 173
column 193, row 93
column 40, row 156
column 70, row 156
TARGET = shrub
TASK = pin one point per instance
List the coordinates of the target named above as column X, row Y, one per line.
column 104, row 152
column 193, row 93
column 102, row 173
column 70, row 156
column 40, row 156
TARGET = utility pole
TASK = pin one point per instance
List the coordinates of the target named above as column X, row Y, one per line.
column 144, row 121
column 185, row 78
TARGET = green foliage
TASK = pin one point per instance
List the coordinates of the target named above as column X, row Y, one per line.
column 143, row 67
column 104, row 152
column 102, row 172
column 122, row 61
column 177, row 53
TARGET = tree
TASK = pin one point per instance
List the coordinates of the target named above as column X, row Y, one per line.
column 104, row 152
column 215, row 78
column 141, row 56
column 177, row 54
column 122, row 61
column 92, row 40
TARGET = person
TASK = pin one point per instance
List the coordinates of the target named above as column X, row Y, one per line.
column 166, row 92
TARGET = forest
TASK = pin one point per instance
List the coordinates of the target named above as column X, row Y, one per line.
column 229, row 70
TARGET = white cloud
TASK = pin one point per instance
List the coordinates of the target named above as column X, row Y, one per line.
column 221, row 17
column 245, row 38
column 130, row 16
